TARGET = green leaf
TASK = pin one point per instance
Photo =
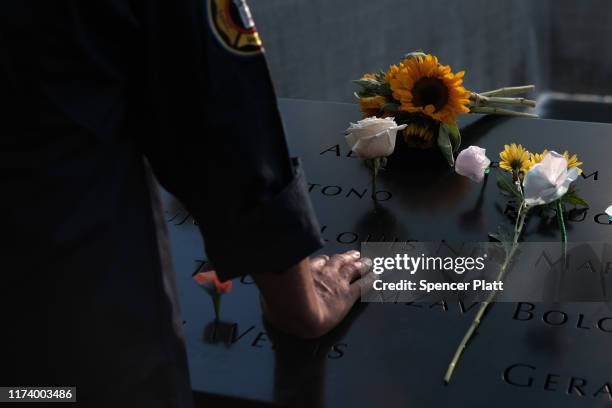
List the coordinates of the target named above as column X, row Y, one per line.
column 572, row 198
column 445, row 145
column 374, row 87
column 454, row 135
column 506, row 183
column 384, row 89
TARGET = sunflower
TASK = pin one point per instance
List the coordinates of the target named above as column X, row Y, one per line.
column 537, row 157
column 420, row 136
column 572, row 161
column 371, row 105
column 420, row 84
column 515, row 158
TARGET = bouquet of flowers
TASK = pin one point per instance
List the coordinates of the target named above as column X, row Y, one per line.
column 530, row 180
column 427, row 97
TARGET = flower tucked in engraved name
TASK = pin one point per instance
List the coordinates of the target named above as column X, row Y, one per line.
column 609, row 212
column 373, row 137
column 473, row 163
column 548, row 180
column 211, row 284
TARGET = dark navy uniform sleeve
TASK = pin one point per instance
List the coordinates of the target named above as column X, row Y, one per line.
column 216, row 139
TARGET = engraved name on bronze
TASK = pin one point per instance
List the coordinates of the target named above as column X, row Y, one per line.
column 352, row 237
column 525, row 311
column 231, row 334
column 528, row 376
column 348, row 192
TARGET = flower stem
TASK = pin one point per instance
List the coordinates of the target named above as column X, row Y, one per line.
column 374, row 174
column 511, row 101
column 500, row 111
column 563, row 229
column 509, row 90
column 216, row 298
column 518, row 228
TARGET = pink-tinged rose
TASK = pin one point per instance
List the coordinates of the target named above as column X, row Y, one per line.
column 472, row 162
column 373, row 137
column 548, row 180
column 211, row 283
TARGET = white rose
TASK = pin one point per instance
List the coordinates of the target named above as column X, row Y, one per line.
column 472, row 162
column 609, row 212
column 373, row 137
column 548, row 180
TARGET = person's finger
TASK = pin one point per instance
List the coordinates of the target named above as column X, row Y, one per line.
column 353, row 271
column 363, row 285
column 338, row 260
column 319, row 261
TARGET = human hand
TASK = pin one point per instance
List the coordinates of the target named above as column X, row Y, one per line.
column 315, row 295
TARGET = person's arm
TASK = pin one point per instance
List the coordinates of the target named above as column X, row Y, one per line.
column 218, row 144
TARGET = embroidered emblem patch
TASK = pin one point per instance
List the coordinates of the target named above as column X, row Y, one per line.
column 232, row 23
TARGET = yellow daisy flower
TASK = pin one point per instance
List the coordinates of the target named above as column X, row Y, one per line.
column 422, row 85
column 370, row 105
column 537, row 157
column 573, row 161
column 515, row 158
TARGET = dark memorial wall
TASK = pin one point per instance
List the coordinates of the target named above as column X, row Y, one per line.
column 531, row 354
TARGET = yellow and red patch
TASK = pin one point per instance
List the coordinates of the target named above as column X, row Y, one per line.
column 232, row 24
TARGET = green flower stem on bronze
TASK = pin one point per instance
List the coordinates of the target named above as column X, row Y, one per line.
column 375, row 165
column 563, row 229
column 216, row 299
column 518, row 229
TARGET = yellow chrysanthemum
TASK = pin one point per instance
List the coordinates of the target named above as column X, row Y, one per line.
column 537, row 157
column 422, row 85
column 573, row 161
column 515, row 158
column 371, row 105
column 418, row 136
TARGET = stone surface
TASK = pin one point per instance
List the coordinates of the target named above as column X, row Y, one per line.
column 396, row 354
column 315, row 46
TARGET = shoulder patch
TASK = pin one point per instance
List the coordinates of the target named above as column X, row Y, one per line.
column 232, row 23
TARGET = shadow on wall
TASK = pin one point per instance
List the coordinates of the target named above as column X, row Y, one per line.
column 315, row 47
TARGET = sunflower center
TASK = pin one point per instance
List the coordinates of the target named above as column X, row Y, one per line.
column 516, row 164
column 430, row 91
